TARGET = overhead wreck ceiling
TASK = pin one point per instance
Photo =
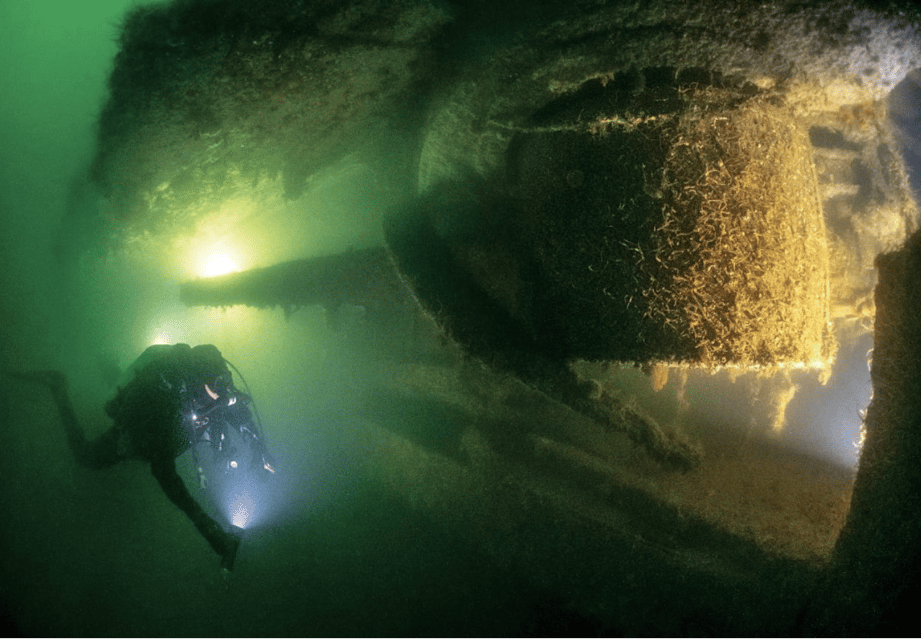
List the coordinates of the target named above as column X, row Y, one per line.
column 211, row 101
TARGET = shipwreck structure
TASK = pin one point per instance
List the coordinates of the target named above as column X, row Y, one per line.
column 677, row 185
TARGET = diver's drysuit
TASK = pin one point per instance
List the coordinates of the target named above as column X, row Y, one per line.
column 179, row 396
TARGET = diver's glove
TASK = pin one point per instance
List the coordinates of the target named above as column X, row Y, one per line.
column 232, row 543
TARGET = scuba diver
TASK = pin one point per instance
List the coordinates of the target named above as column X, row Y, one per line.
column 179, row 396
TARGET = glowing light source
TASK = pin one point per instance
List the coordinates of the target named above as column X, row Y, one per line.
column 215, row 251
column 167, row 327
column 218, row 263
column 241, row 509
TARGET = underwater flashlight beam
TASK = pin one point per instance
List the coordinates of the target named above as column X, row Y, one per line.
column 240, row 508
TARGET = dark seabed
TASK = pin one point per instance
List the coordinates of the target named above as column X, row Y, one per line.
column 105, row 554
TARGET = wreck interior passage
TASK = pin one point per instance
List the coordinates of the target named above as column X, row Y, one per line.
column 550, row 317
